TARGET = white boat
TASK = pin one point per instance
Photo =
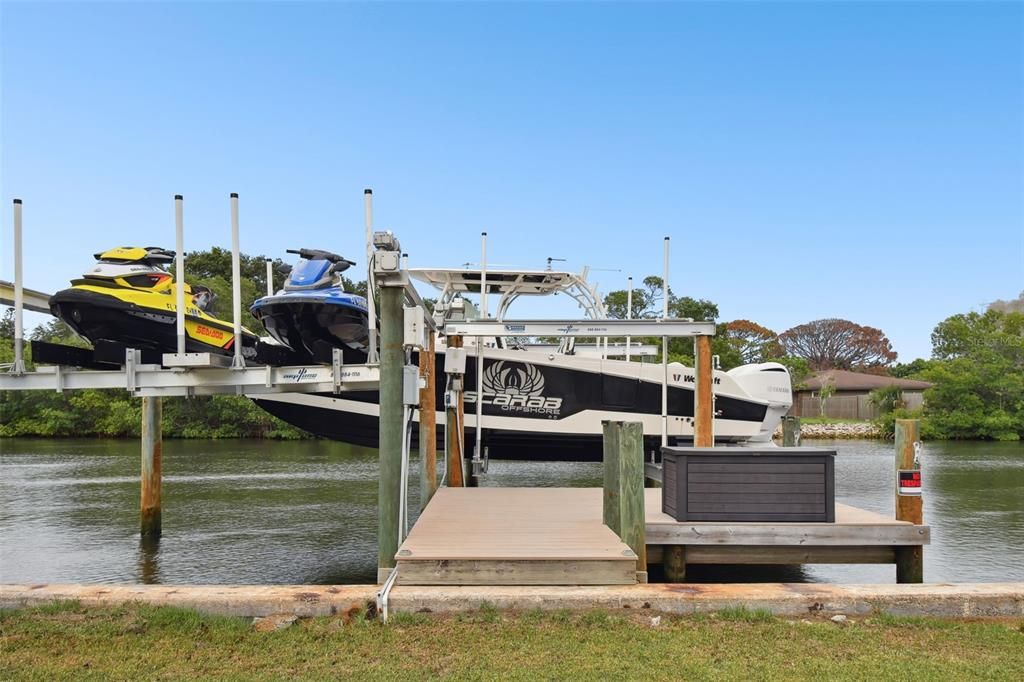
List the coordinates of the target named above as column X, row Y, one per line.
column 545, row 402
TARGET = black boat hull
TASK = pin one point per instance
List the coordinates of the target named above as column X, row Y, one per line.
column 531, row 411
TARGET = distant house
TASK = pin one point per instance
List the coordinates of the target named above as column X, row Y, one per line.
column 849, row 399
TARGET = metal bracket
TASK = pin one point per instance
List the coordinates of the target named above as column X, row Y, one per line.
column 193, row 360
column 480, row 463
column 129, row 369
column 336, row 365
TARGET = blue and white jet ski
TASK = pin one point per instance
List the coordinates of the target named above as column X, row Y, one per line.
column 313, row 313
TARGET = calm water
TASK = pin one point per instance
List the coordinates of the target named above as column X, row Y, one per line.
column 266, row 512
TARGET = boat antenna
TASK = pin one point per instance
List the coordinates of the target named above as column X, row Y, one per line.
column 551, row 260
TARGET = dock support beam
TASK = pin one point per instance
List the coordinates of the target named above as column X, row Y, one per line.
column 152, row 455
column 624, row 487
column 909, row 559
column 428, row 424
column 790, row 432
column 392, row 360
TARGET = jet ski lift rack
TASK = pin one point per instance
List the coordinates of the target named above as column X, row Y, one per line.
column 196, row 374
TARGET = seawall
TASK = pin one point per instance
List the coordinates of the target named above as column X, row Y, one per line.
column 967, row 600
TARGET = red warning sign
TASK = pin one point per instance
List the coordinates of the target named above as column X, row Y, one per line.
column 908, row 481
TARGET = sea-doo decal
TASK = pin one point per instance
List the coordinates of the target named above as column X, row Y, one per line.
column 516, row 387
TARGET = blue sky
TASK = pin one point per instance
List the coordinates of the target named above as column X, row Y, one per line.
column 861, row 160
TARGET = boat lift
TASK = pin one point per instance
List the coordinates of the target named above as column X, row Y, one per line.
column 405, row 326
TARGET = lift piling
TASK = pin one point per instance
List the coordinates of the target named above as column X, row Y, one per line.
column 152, row 468
column 909, row 506
column 790, row 431
column 392, row 431
column 428, row 424
column 455, row 418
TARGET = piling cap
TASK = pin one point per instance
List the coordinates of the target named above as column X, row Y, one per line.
column 483, row 234
column 17, row 201
column 178, row 197
column 234, row 195
column 367, row 191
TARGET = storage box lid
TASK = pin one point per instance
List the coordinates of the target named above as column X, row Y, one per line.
column 749, row 452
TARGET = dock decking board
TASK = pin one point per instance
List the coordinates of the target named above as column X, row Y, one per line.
column 555, row 536
column 537, row 524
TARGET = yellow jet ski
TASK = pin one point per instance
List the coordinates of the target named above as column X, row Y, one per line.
column 130, row 298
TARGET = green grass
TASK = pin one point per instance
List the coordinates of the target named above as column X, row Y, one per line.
column 140, row 642
column 742, row 613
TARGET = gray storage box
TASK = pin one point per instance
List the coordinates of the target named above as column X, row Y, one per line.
column 747, row 484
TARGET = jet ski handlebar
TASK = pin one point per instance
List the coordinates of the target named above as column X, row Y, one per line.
column 340, row 262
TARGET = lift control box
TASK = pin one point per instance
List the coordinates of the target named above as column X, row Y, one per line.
column 387, row 261
column 455, row 361
column 414, row 332
column 411, row 385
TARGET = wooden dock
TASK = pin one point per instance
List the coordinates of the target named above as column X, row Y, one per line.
column 514, row 536
column 555, row 536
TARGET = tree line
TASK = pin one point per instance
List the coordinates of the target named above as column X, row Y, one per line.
column 976, row 368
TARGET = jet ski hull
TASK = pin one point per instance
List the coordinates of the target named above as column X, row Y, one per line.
column 316, row 322
column 105, row 317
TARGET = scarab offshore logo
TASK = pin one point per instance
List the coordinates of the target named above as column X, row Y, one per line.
column 516, row 387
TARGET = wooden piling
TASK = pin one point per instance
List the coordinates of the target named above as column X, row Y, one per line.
column 624, row 487
column 909, row 559
column 392, row 359
column 428, row 425
column 704, row 402
column 455, row 417
column 610, row 456
column 151, row 478
column 790, row 432
column 674, row 559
